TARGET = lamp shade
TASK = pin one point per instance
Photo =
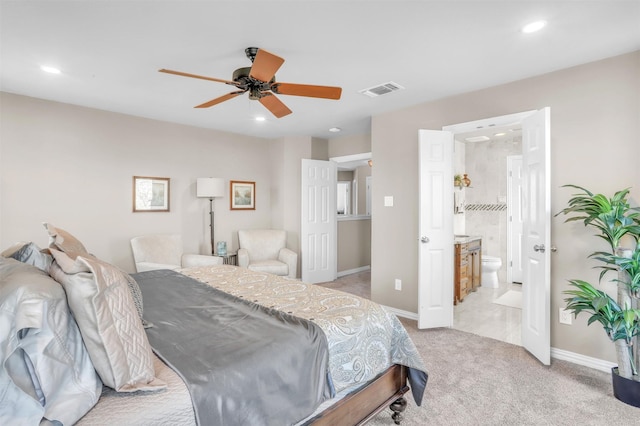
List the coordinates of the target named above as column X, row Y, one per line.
column 210, row 187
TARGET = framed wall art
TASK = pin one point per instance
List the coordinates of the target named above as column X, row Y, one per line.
column 150, row 194
column 242, row 195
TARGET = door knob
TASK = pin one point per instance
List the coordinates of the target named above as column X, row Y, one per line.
column 553, row 249
column 424, row 240
column 540, row 248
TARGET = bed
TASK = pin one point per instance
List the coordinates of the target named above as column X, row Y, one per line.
column 364, row 355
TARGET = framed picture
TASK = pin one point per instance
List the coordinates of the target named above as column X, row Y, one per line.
column 242, row 195
column 150, row 194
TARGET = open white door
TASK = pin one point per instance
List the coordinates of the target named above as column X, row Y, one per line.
column 435, row 241
column 536, row 279
column 514, row 219
column 318, row 227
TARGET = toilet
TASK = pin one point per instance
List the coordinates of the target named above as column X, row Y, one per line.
column 490, row 267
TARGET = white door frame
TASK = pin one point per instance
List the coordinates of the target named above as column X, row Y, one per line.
column 508, row 120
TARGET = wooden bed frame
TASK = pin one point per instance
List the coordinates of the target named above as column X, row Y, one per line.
column 360, row 406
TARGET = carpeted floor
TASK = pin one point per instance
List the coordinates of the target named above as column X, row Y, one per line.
column 476, row 380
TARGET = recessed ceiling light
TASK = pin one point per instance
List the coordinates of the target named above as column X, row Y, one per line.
column 50, row 70
column 533, row 27
column 335, row 129
column 500, row 134
column 260, row 118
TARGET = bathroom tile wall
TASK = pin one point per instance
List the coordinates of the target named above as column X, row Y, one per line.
column 486, row 166
column 459, row 167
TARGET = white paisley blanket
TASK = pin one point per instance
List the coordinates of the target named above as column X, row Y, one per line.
column 364, row 338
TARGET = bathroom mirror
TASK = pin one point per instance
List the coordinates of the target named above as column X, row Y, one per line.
column 354, row 185
column 344, row 198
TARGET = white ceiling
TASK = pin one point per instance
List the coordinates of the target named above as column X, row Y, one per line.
column 109, row 53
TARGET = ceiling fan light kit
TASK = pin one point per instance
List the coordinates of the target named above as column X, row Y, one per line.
column 259, row 81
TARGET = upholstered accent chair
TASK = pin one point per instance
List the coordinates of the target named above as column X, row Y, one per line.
column 164, row 251
column 265, row 250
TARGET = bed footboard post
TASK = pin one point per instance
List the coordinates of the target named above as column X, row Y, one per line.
column 398, row 406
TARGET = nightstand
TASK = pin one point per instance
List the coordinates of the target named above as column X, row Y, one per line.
column 231, row 258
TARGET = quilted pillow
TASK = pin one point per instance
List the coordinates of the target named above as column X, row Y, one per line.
column 61, row 240
column 99, row 297
column 45, row 369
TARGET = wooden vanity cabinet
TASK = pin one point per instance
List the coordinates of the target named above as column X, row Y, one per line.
column 467, row 269
column 475, row 259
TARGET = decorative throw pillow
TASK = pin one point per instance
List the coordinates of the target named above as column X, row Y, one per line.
column 61, row 240
column 64, row 241
column 99, row 297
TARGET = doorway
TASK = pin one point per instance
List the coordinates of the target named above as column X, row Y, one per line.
column 483, row 212
column 435, row 296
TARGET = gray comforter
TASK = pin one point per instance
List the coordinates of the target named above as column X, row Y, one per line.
column 243, row 363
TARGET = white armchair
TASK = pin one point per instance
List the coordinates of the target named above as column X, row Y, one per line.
column 165, row 251
column 265, row 250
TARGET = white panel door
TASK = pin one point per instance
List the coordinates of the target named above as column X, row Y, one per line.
column 514, row 218
column 435, row 242
column 536, row 283
column 318, row 226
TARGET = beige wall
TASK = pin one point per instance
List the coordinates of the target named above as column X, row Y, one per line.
column 73, row 167
column 595, row 120
column 354, row 244
column 349, row 145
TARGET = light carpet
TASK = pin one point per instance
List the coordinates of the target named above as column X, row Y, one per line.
column 475, row 380
column 511, row 298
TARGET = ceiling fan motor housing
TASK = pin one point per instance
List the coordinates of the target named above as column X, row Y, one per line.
column 250, row 84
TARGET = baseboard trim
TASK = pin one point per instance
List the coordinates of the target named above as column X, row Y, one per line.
column 587, row 361
column 401, row 313
column 354, row 271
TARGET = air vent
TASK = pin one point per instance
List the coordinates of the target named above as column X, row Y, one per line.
column 381, row 89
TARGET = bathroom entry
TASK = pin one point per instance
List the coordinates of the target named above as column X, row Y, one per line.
column 536, row 282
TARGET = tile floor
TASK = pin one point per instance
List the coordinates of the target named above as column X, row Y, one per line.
column 477, row 314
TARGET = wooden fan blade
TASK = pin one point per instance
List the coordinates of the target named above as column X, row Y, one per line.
column 265, row 65
column 185, row 74
column 326, row 92
column 220, row 99
column 275, row 105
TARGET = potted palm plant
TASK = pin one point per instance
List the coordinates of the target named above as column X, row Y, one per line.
column 618, row 224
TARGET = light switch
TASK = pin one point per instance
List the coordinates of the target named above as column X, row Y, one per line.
column 388, row 201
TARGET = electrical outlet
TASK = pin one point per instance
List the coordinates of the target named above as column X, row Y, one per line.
column 565, row 316
column 398, row 284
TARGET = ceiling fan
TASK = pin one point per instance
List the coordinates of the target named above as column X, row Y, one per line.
column 260, row 81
